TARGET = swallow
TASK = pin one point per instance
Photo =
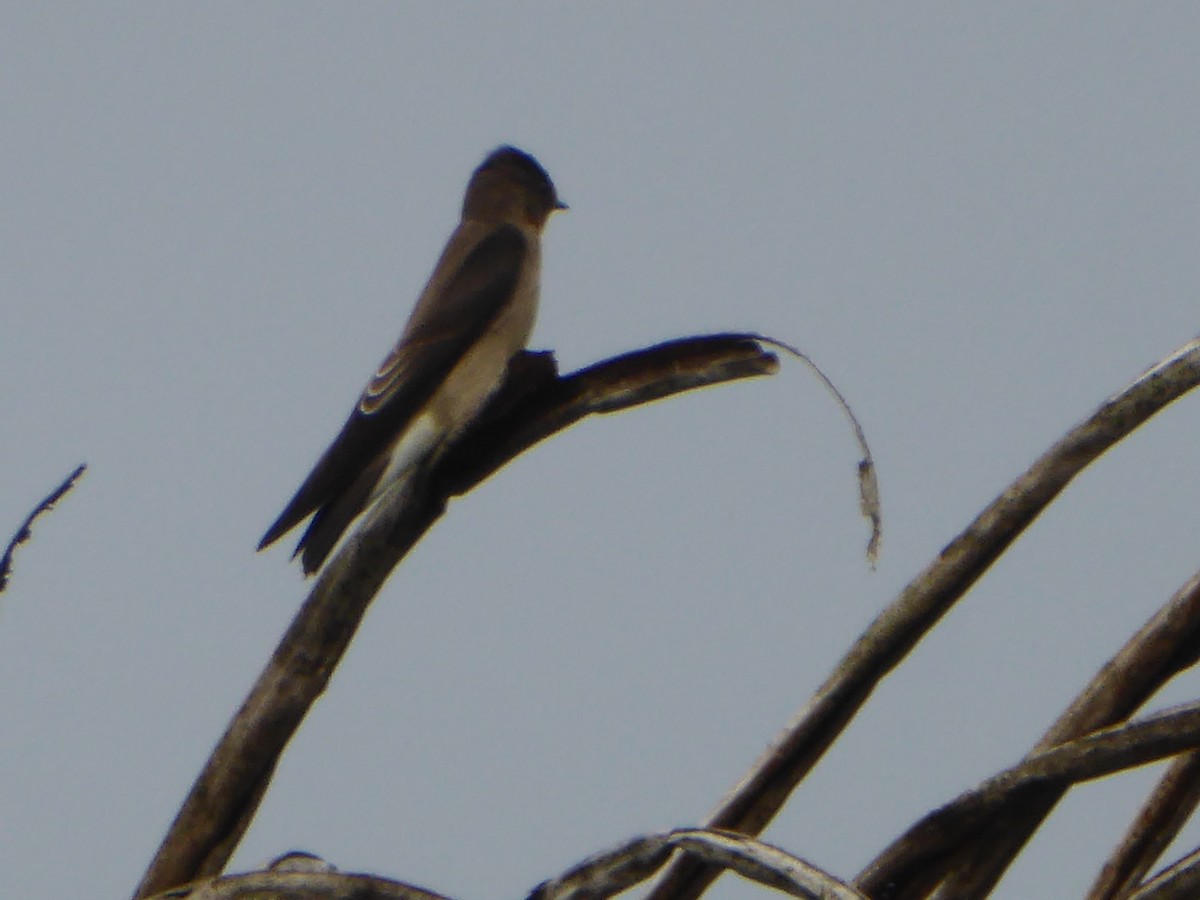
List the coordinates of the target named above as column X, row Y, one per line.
column 474, row 315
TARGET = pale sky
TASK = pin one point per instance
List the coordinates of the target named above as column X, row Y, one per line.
column 981, row 220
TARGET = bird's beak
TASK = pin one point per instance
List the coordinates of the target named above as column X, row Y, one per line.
column 558, row 204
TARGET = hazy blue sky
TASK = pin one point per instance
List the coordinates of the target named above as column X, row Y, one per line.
column 980, row 219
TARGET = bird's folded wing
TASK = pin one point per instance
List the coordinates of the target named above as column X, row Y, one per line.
column 441, row 332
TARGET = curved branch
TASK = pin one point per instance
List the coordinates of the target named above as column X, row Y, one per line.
column 1178, row 881
column 25, row 532
column 614, row 871
column 1161, row 818
column 535, row 404
column 1163, row 647
column 761, row 793
column 301, row 876
column 299, row 886
column 1094, row 756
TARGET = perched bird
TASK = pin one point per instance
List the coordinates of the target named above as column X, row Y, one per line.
column 472, row 318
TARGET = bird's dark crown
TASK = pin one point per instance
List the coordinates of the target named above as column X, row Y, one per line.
column 508, row 175
column 515, row 160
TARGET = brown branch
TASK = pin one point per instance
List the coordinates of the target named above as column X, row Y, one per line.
column 1112, row 696
column 299, row 886
column 615, row 871
column 1157, row 824
column 301, row 876
column 25, row 532
column 761, row 793
column 1166, row 645
column 1179, row 881
column 535, row 404
column 1163, row 647
column 763, row 863
column 906, row 862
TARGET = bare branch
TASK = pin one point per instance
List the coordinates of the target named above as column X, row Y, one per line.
column 608, row 874
column 305, row 877
column 1166, row 645
column 1163, row 647
column 534, row 405
column 760, row 794
column 298, row 886
column 1180, row 881
column 764, row 863
column 903, row 869
column 1159, row 822
column 26, row 530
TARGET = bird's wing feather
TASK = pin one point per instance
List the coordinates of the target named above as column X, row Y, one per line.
column 439, row 334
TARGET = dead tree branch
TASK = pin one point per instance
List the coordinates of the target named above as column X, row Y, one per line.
column 761, row 793
column 535, row 404
column 25, row 532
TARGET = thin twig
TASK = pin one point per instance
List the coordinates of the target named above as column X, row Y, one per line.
column 868, row 483
column 26, row 530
